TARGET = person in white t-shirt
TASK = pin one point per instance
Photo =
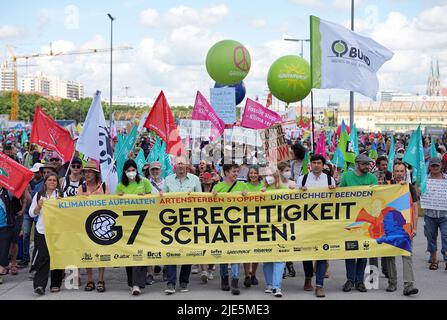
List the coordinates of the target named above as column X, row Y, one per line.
column 316, row 179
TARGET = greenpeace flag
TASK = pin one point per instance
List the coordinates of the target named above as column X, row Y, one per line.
column 256, row 116
column 48, row 134
column 342, row 59
column 204, row 111
column 94, row 142
column 13, row 176
column 161, row 121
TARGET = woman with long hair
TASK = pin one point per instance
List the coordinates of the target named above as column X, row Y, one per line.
column 132, row 183
column 51, row 189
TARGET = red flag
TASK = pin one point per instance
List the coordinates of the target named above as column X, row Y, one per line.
column 48, row 134
column 13, row 176
column 304, row 125
column 161, row 121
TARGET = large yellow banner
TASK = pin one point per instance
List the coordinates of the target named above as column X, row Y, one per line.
column 283, row 225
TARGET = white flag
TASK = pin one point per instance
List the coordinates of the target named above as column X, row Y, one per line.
column 95, row 142
column 342, row 59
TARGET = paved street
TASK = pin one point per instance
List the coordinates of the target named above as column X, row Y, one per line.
column 432, row 285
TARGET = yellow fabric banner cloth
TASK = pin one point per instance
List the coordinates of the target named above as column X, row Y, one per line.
column 283, row 225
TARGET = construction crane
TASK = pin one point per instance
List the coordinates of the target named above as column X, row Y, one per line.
column 14, row 58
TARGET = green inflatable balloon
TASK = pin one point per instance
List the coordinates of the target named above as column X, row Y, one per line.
column 289, row 79
column 228, row 62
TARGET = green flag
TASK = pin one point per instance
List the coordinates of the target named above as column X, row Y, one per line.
column 353, row 137
column 304, row 167
column 345, row 146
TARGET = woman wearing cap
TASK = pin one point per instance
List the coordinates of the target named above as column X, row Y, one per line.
column 93, row 186
column 132, row 183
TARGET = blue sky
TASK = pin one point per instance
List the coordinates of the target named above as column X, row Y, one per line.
column 171, row 38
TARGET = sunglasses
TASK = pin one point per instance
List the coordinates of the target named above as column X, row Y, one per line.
column 54, row 159
column 76, row 166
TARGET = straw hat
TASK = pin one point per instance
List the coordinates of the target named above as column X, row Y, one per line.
column 91, row 165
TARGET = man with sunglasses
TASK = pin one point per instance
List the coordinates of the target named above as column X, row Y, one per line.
column 155, row 177
column 73, row 180
column 355, row 268
column 56, row 161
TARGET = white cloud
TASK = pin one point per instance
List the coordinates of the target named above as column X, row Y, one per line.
column 183, row 15
column 345, row 4
column 149, row 18
column 9, row 32
column 309, row 3
column 433, row 19
column 258, row 23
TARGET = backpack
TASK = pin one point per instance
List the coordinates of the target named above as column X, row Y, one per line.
column 67, row 183
column 329, row 180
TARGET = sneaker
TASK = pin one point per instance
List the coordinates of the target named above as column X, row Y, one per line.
column 204, row 277
column 40, row 291
column 254, row 281
column 277, row 293
column 22, row 264
column 292, row 272
column 170, row 289
column 391, row 287
column 195, row 269
column 150, row 280
column 360, row 287
column 135, row 290
column 268, row 289
column 184, row 287
column 247, row 282
column 410, row 290
column 210, row 275
column 348, row 286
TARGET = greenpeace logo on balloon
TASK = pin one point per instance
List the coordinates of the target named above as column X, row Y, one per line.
column 292, row 76
column 237, row 73
column 340, row 48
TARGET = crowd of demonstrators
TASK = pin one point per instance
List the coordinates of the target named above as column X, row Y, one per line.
column 55, row 179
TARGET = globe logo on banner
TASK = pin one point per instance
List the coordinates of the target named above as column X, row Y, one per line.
column 101, row 227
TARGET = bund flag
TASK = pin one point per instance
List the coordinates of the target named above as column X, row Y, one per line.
column 48, row 134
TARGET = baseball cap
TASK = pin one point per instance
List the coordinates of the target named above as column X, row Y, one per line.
column 36, row 167
column 435, row 161
column 155, row 165
column 363, row 158
column 76, row 160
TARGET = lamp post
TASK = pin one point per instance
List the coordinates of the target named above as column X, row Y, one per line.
column 111, row 60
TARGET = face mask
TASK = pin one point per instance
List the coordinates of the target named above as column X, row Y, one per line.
column 287, row 175
column 131, row 175
column 270, row 180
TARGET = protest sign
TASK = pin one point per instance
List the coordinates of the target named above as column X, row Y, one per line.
column 223, row 102
column 435, row 196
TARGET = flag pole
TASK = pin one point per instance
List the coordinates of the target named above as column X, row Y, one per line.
column 351, row 93
column 313, row 123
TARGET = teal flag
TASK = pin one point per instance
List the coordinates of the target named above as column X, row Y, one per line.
column 155, row 151
column 338, row 159
column 415, row 157
column 353, row 137
column 433, row 152
column 141, row 161
column 122, row 153
column 391, row 155
column 24, row 137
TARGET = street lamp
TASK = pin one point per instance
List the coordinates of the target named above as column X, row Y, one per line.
column 111, row 59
